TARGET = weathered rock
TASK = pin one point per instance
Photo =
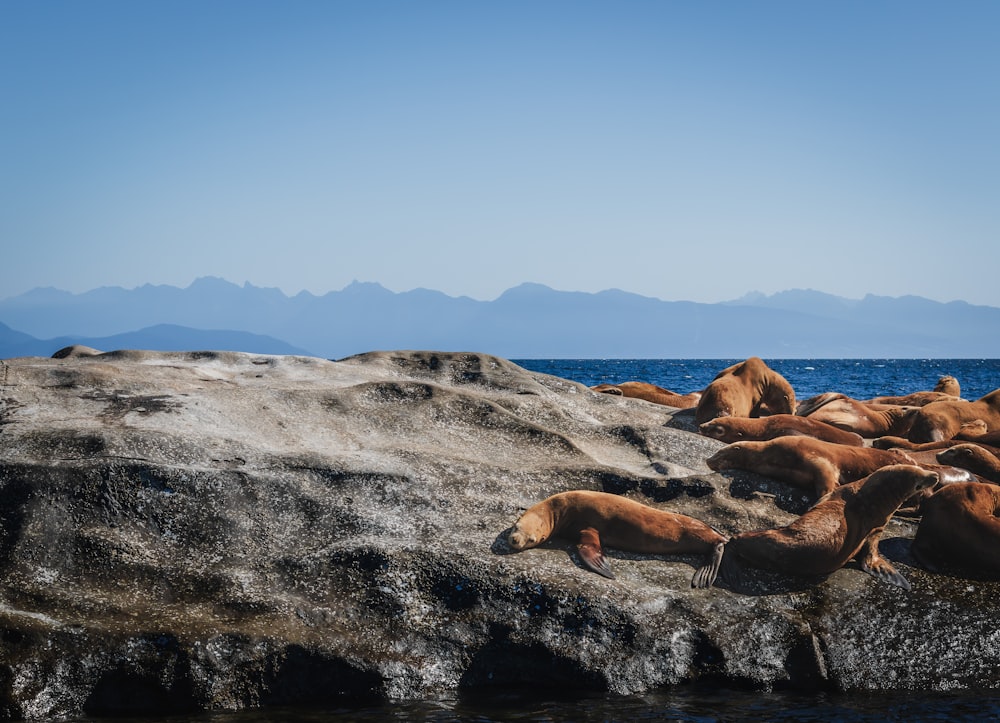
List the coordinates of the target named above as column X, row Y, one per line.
column 220, row 531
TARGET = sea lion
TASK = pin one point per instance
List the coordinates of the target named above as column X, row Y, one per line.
column 916, row 399
column 592, row 519
column 844, row 524
column 948, row 385
column 736, row 429
column 650, row 393
column 946, row 389
column 806, row 462
column 990, row 440
column 960, row 531
column 971, row 430
column 748, row 389
column 868, row 420
column 943, row 420
column 973, row 457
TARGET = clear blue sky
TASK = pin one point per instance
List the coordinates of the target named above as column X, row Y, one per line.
column 680, row 150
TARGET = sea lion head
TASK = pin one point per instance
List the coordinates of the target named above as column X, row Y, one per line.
column 607, row 389
column 967, row 456
column 530, row 530
column 713, row 428
column 730, row 456
column 778, row 396
column 903, row 479
column 974, row 428
column 948, row 385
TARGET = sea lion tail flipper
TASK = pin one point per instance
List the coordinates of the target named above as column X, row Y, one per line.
column 876, row 565
column 591, row 553
column 705, row 576
column 884, row 571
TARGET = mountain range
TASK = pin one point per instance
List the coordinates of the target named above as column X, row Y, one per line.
column 525, row 322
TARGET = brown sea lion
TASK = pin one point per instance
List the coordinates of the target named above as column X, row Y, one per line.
column 805, row 462
column 943, row 420
column 737, row 429
column 946, row 389
column 748, row 389
column 592, row 519
column 845, row 524
column 868, row 420
column 916, row 399
column 973, row 457
column 650, row 393
column 970, row 430
column 990, row 440
column 948, row 385
column 960, row 531
column 947, row 474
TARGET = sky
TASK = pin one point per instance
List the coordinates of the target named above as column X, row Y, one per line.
column 679, row 150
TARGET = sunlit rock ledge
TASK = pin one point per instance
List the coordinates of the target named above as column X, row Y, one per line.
column 184, row 531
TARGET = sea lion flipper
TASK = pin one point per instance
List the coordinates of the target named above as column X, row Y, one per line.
column 877, row 566
column 592, row 554
column 705, row 576
column 884, row 571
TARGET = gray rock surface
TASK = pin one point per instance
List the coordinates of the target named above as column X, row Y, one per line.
column 184, row 531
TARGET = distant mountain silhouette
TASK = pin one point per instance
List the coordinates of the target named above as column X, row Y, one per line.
column 527, row 321
column 163, row 337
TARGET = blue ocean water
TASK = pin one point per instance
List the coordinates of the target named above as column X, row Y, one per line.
column 858, row 378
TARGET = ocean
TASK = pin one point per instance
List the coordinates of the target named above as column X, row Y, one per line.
column 858, row 378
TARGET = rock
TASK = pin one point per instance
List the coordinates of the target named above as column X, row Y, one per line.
column 194, row 531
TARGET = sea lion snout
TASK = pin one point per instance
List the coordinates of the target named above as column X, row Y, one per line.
column 712, row 429
column 530, row 530
column 725, row 457
column 519, row 540
column 526, row 534
column 929, row 479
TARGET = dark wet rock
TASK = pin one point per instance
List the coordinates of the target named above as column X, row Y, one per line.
column 188, row 531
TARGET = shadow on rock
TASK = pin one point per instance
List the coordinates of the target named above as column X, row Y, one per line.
column 500, row 545
column 503, row 663
column 742, row 579
column 897, row 549
column 668, row 489
column 744, row 485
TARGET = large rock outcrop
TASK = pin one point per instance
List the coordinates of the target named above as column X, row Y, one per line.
column 221, row 530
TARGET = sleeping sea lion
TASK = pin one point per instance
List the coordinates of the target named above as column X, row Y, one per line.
column 989, row 440
column 651, row 393
column 592, row 519
column 736, row 429
column 844, row 524
column 868, row 420
column 916, row 399
column 943, row 420
column 805, row 462
column 946, row 389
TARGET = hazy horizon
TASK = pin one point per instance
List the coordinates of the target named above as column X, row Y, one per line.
column 246, row 284
column 681, row 151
